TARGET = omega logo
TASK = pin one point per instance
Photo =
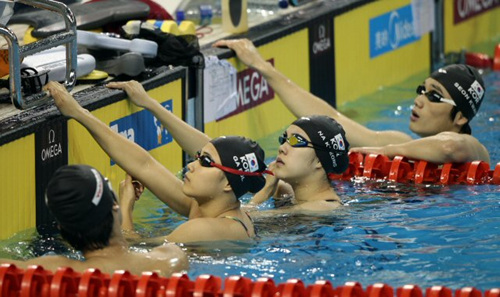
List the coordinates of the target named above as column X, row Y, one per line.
column 54, row 149
column 323, row 43
column 321, row 32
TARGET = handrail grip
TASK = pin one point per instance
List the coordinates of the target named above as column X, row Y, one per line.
column 16, row 52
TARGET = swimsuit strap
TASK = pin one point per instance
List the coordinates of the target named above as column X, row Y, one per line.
column 249, row 217
column 333, row 200
column 239, row 221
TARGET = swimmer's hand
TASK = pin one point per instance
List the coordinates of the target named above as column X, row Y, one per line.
column 128, row 195
column 269, row 188
column 66, row 104
column 130, row 191
column 135, row 92
column 272, row 180
column 138, row 187
column 245, row 50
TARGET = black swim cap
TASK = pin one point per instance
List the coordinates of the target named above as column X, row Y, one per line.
column 465, row 85
column 79, row 197
column 243, row 154
column 331, row 145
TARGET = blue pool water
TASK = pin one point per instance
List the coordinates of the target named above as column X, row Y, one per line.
column 396, row 234
column 391, row 233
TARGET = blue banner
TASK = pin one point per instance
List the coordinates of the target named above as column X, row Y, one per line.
column 391, row 31
column 143, row 128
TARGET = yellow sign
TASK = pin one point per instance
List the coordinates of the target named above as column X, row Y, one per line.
column 357, row 74
column 290, row 55
column 83, row 149
column 17, row 181
column 475, row 33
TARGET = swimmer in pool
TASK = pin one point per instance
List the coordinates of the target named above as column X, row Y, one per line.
column 225, row 168
column 446, row 102
column 88, row 216
column 310, row 149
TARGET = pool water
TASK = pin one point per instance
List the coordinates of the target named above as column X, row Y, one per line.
column 392, row 233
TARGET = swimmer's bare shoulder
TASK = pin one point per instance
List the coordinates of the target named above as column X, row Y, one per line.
column 171, row 258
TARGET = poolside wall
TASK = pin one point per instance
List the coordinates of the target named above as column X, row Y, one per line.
column 355, row 50
column 327, row 51
column 471, row 27
column 32, row 153
column 369, row 55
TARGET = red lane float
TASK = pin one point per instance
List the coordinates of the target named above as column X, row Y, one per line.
column 409, row 291
column 403, row 170
column 207, row 285
column 478, row 60
column 292, row 288
column 496, row 59
column 468, row 292
column 351, row 289
column 379, row 290
column 237, row 286
column 122, row 283
column 151, row 284
column 264, row 287
column 10, row 280
column 322, row 288
column 492, row 293
column 179, row 285
column 36, row 282
column 438, row 291
column 93, row 283
column 65, row 282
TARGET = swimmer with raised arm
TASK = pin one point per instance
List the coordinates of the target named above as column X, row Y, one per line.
column 446, row 102
column 310, row 149
column 209, row 194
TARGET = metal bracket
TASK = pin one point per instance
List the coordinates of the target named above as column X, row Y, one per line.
column 16, row 53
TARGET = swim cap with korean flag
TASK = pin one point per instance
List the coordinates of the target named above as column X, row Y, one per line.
column 242, row 154
column 79, row 197
column 465, row 85
column 329, row 142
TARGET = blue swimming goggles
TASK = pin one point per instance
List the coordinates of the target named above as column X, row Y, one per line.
column 434, row 96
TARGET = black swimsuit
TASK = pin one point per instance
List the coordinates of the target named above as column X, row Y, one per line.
column 241, row 222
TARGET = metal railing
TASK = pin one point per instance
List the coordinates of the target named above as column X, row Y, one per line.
column 17, row 53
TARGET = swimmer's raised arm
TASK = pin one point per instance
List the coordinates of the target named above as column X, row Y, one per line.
column 303, row 103
column 127, row 154
column 445, row 147
column 189, row 138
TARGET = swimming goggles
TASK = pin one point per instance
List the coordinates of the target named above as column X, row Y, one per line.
column 434, row 96
column 296, row 140
column 206, row 161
